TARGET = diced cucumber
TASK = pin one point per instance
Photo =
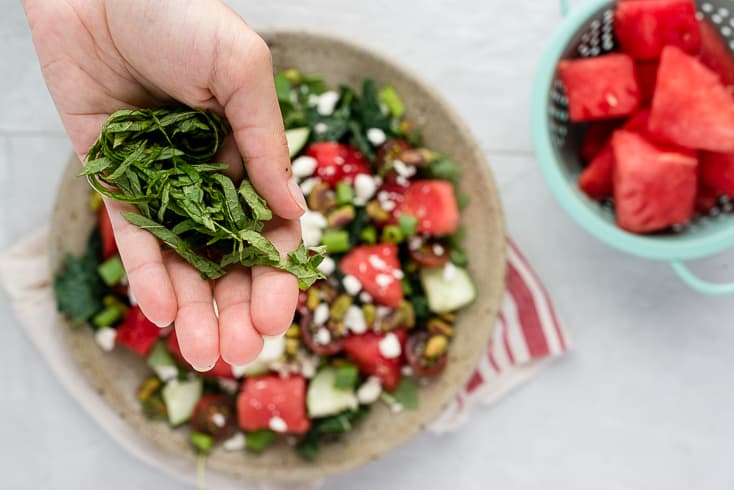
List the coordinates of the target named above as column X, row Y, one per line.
column 161, row 361
column 324, row 399
column 297, row 139
column 111, row 271
column 447, row 288
column 181, row 397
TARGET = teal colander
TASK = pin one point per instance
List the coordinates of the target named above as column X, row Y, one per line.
column 588, row 30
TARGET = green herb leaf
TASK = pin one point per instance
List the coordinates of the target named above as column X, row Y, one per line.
column 406, row 394
column 346, row 377
column 78, row 288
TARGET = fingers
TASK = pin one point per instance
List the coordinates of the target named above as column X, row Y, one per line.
column 141, row 255
column 230, row 155
column 239, row 342
column 275, row 292
column 196, row 324
column 243, row 83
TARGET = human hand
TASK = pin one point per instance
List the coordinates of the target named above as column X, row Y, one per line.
column 98, row 56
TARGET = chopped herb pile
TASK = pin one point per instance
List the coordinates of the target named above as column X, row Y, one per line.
column 161, row 160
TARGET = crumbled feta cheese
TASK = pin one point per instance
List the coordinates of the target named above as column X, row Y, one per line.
column 388, row 205
column 403, row 170
column 351, row 285
column 364, row 188
column 303, row 167
column 308, row 367
column 321, row 314
column 396, row 408
column 321, row 127
column 382, row 311
column 327, row 102
column 376, row 136
column 235, row 443
column 105, row 338
column 406, row 371
column 354, row 320
column 365, row 297
column 390, row 346
column 313, row 99
column 438, row 249
column 402, row 181
column 323, row 336
column 228, row 385
column 384, row 280
column 370, row 391
column 218, row 419
column 277, row 424
column 312, row 226
column 308, row 185
column 398, row 274
column 273, row 348
column 327, row 266
column 415, row 243
column 166, row 373
column 377, row 262
column 449, row 271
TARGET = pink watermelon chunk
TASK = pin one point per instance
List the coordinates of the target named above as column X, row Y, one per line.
column 597, row 179
column 644, row 28
column 715, row 53
column 647, row 75
column 691, row 107
column 654, row 186
column 600, row 88
column 596, row 137
column 717, row 172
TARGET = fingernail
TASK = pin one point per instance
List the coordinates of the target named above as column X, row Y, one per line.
column 162, row 325
column 297, row 194
column 203, row 369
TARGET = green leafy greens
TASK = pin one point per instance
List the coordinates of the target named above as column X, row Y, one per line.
column 160, row 160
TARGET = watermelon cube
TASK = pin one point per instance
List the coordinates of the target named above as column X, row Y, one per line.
column 717, row 172
column 691, row 108
column 647, row 75
column 644, row 28
column 715, row 52
column 597, row 179
column 654, row 186
column 596, row 137
column 638, row 122
column 600, row 88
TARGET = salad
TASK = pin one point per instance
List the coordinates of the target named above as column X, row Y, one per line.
column 386, row 211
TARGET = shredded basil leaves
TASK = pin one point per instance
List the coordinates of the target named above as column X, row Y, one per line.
column 162, row 161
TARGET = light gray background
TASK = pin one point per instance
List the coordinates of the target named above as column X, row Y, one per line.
column 644, row 402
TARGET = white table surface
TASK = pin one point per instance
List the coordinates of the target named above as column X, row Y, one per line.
column 644, row 402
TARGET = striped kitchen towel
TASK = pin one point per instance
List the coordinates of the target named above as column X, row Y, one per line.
column 526, row 338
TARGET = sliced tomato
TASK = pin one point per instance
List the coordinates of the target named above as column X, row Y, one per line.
column 433, row 204
column 378, row 269
column 109, row 246
column 275, row 403
column 336, row 162
column 214, row 415
column 364, row 350
column 137, row 333
column 220, row 370
column 431, row 254
column 422, row 366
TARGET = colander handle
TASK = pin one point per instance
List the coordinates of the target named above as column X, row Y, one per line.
column 698, row 284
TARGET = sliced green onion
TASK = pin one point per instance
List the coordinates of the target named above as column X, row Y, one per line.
column 407, row 288
column 336, row 241
column 346, row 377
column 259, row 440
column 108, row 317
column 344, row 193
column 368, row 235
column 202, row 442
column 392, row 234
column 111, row 271
column 408, row 225
column 392, row 100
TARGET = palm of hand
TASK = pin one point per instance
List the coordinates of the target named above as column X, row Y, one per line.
column 98, row 57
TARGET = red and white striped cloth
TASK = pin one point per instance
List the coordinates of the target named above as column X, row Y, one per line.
column 527, row 335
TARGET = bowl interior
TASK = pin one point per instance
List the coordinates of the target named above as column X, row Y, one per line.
column 589, row 32
column 116, row 376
